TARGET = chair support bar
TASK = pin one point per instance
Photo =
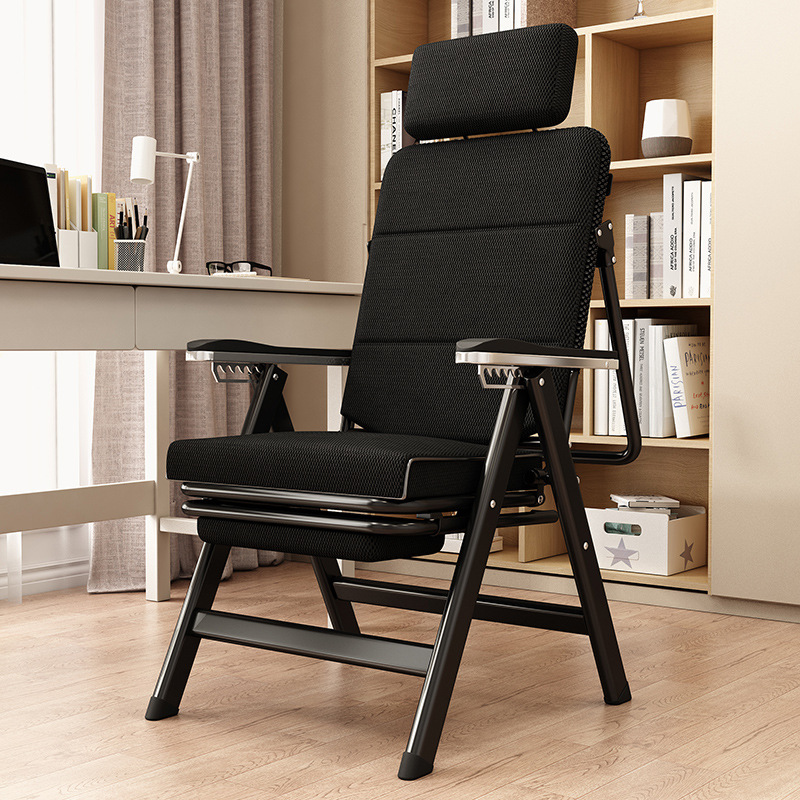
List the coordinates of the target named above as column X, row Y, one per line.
column 254, row 494
column 306, row 518
column 392, row 655
column 331, row 521
column 511, row 611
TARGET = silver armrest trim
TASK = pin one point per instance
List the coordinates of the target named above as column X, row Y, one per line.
column 511, row 360
column 199, row 355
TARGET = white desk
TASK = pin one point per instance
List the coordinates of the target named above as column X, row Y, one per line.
column 45, row 308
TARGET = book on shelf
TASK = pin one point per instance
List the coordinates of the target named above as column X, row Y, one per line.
column 691, row 238
column 687, row 362
column 490, row 16
column 86, row 202
column 63, row 199
column 643, row 501
column 398, row 138
column 100, row 224
column 673, row 234
column 641, row 369
column 112, row 221
column 637, row 245
column 477, row 17
column 656, row 260
column 616, row 421
column 386, row 129
column 74, row 220
column 705, row 239
column 460, row 18
column 506, row 14
column 520, row 14
column 601, row 342
column 662, row 421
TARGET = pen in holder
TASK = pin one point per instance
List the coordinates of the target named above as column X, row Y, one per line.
column 130, row 254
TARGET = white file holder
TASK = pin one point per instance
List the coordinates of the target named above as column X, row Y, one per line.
column 69, row 249
column 87, row 249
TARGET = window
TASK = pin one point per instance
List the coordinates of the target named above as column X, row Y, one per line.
column 52, row 114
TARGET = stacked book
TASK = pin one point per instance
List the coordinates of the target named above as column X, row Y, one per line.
column 670, row 368
column 474, row 17
column 393, row 134
column 668, row 254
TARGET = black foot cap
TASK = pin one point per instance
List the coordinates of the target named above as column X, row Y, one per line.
column 160, row 709
column 624, row 697
column 413, row 767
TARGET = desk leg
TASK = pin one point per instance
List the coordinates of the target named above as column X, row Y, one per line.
column 156, row 439
column 336, row 379
column 14, row 566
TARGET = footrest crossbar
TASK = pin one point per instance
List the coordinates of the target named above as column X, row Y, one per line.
column 508, row 610
column 393, row 655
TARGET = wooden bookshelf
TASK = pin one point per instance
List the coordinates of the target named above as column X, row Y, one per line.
column 621, row 65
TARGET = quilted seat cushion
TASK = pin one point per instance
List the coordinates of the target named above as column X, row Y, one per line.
column 395, row 466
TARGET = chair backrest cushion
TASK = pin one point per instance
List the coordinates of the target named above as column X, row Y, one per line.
column 486, row 237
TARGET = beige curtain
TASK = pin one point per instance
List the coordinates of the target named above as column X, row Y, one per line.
column 197, row 75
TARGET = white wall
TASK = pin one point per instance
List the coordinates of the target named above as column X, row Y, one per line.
column 323, row 160
column 755, row 543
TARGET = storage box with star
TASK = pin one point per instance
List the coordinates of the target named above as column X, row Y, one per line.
column 652, row 542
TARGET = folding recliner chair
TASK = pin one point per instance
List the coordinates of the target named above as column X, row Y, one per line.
column 483, row 252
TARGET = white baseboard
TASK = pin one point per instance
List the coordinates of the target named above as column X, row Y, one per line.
column 48, row 577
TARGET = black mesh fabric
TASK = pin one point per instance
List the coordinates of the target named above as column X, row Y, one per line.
column 488, row 237
column 309, row 542
column 354, row 463
column 453, row 86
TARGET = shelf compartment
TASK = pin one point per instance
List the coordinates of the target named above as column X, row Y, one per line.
column 694, row 580
column 593, row 13
column 666, row 30
column 399, row 26
column 623, row 77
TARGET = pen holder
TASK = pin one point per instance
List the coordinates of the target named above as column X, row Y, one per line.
column 130, row 254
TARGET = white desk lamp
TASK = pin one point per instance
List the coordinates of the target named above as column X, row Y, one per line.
column 143, row 170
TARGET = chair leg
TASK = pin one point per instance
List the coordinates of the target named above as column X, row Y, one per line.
column 575, row 526
column 183, row 646
column 459, row 608
column 340, row 612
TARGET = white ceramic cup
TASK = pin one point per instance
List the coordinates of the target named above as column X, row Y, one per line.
column 667, row 129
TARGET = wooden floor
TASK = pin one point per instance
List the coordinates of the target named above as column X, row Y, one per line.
column 715, row 710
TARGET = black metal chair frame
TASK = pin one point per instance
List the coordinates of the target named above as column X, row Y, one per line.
column 525, row 371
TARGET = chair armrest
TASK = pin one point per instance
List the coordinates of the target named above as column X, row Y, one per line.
column 516, row 353
column 239, row 351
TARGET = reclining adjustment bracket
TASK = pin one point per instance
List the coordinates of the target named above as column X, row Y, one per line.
column 499, row 377
column 226, row 372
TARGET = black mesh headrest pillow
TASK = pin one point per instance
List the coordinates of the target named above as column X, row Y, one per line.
column 507, row 81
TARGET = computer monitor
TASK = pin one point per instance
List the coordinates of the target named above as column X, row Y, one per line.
column 27, row 235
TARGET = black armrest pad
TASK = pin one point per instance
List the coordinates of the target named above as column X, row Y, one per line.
column 519, row 347
column 240, row 349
